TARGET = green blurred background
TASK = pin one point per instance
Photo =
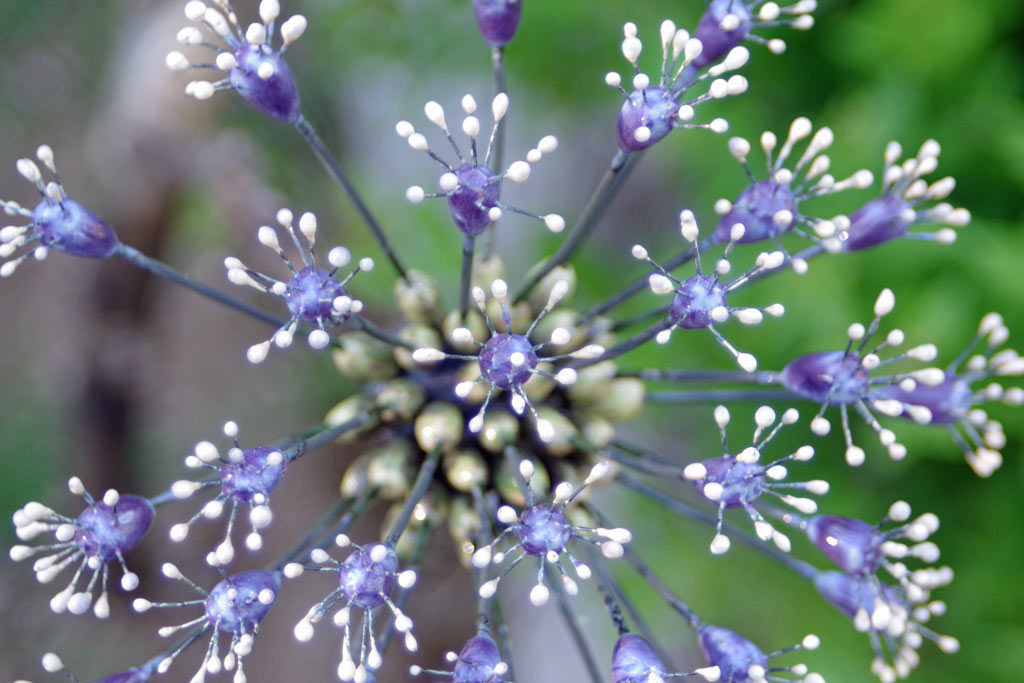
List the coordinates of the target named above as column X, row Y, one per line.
column 112, row 376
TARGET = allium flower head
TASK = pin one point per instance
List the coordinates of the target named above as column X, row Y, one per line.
column 740, row 661
column 255, row 69
column 739, row 480
column 99, row 535
column 700, row 302
column 727, row 23
column 904, row 201
column 236, row 605
column 479, row 661
column 861, row 548
column 473, row 190
column 953, row 402
column 652, row 111
column 245, row 477
column 927, row 396
column 508, row 361
column 53, row 664
column 635, row 661
column 366, row 580
column 498, row 19
column 544, row 531
column 314, row 296
column 769, row 208
column 894, row 622
column 57, row 222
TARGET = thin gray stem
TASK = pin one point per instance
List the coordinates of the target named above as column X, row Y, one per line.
column 326, row 436
column 419, row 488
column 337, row 173
column 628, row 345
column 468, row 246
column 161, row 269
column 763, row 377
column 574, row 626
column 724, row 395
column 617, row 172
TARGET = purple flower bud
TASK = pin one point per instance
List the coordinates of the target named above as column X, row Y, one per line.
column 473, row 198
column 70, row 227
column 276, row 96
column 634, row 660
column 833, row 376
column 236, row 604
column 645, row 118
column 496, row 360
column 717, row 41
column 253, row 476
column 694, row 300
column 880, row 220
column 544, row 528
column 733, row 654
column 477, row 661
column 948, row 402
column 310, row 296
column 741, row 482
column 850, row 594
column 756, row 207
column 852, row 544
column 366, row 582
column 106, row 531
column 498, row 19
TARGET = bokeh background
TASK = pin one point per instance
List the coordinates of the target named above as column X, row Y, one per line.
column 112, row 375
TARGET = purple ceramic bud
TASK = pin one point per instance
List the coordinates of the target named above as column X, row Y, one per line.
column 634, row 660
column 476, row 194
column 477, row 661
column 653, row 110
column 878, row 221
column 244, row 480
column 70, row 227
column 852, row 544
column 365, row 582
column 276, row 96
column 731, row 653
column 105, row 531
column 716, row 41
column 544, row 528
column 496, row 360
column 694, row 300
column 498, row 19
column 849, row 593
column 948, row 402
column 234, row 603
column 741, row 482
column 755, row 208
column 834, row 376
column 310, row 295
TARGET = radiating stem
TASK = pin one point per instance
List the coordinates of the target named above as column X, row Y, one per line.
column 419, row 489
column 723, row 396
column 422, row 540
column 763, row 377
column 326, row 436
column 628, row 345
column 662, row 588
column 161, row 269
column 641, row 283
column 574, row 626
column 617, row 172
column 800, row 567
column 500, row 86
column 334, row 169
column 659, row 312
column 335, row 512
column 597, row 563
column 371, row 329
column 468, row 245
